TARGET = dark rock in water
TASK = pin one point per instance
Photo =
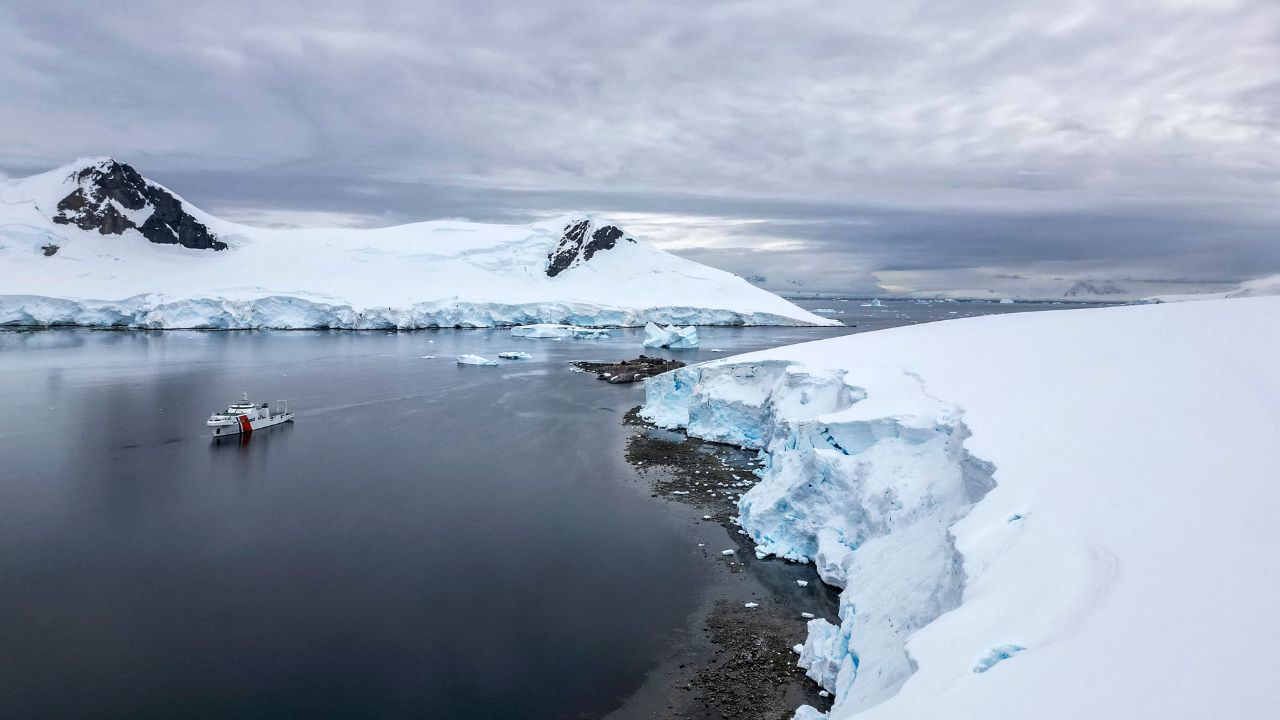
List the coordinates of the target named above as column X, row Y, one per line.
column 629, row 371
column 50, row 249
column 580, row 242
column 107, row 186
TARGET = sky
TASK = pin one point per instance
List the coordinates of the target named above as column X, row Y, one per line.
column 1049, row 149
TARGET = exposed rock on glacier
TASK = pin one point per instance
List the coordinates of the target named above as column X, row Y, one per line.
column 676, row 338
column 581, row 240
column 111, row 197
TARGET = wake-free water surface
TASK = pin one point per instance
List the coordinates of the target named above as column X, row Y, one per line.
column 426, row 540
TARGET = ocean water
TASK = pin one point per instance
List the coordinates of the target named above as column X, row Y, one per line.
column 425, row 540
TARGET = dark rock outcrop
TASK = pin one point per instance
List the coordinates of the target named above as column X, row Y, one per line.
column 105, row 187
column 582, row 240
column 629, row 371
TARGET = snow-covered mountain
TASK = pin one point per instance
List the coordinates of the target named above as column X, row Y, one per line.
column 95, row 243
column 1053, row 515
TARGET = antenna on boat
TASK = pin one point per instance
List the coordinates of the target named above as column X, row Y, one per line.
column 246, row 397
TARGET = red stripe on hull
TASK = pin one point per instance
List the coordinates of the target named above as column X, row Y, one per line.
column 245, row 427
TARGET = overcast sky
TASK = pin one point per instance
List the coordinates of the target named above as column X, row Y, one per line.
column 862, row 146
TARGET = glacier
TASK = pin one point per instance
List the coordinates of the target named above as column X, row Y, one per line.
column 1035, row 515
column 93, row 243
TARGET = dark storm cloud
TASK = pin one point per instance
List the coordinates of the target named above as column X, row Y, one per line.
column 848, row 142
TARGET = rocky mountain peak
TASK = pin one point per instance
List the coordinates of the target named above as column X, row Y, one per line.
column 111, row 197
column 581, row 240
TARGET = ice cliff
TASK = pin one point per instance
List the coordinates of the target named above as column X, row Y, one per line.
column 864, row 491
column 1051, row 515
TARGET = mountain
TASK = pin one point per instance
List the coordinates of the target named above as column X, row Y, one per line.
column 95, row 243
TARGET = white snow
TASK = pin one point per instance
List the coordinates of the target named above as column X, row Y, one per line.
column 514, row 355
column 676, row 338
column 1259, row 287
column 1051, row 515
column 470, row 359
column 430, row 274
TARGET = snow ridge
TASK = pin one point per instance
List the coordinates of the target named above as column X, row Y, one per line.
column 864, row 490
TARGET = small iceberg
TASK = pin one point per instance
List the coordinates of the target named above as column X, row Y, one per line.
column 1006, row 301
column 676, row 338
column 559, row 332
column 514, row 355
column 875, row 302
column 474, row 360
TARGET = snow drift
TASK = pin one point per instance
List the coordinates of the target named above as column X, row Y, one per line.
column 1051, row 515
column 95, row 243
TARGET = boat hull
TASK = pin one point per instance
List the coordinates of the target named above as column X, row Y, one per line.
column 242, row 425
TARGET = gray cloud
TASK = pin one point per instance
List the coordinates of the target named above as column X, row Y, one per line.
column 834, row 144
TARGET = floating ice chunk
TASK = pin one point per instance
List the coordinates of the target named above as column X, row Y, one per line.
column 874, row 303
column 806, row 616
column 679, row 492
column 997, row 655
column 751, row 605
column 469, row 359
column 561, row 332
column 428, row 357
column 727, row 552
column 802, row 583
column 672, row 336
column 797, row 648
column 823, row 693
column 706, row 517
column 542, row 330
column 514, row 355
column 1006, row 301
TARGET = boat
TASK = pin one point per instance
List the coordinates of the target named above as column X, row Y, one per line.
column 245, row 417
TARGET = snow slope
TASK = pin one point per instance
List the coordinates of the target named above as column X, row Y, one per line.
column 1258, row 287
column 1053, row 515
column 574, row 269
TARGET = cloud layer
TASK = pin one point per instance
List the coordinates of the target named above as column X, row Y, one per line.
column 912, row 145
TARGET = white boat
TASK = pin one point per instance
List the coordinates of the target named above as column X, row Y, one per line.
column 245, row 417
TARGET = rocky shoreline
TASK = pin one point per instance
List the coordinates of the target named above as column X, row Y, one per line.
column 737, row 662
column 629, row 371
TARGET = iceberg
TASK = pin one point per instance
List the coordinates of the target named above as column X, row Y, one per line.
column 676, row 338
column 979, row 490
column 560, row 332
column 470, row 359
column 514, row 355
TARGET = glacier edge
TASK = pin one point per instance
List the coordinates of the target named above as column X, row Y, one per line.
column 864, row 487
column 293, row 312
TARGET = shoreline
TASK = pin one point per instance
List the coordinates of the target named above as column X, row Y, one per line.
column 733, row 661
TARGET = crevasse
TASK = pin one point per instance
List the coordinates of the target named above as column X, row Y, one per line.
column 865, row 488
